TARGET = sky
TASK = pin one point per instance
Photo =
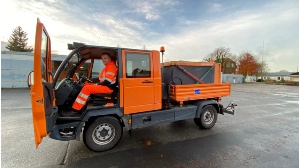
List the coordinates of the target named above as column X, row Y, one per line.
column 188, row 29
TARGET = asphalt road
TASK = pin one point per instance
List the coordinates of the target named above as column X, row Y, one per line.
column 263, row 133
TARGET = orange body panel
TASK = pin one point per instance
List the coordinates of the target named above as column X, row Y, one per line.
column 182, row 93
column 217, row 75
column 121, row 86
column 157, row 80
column 138, row 95
column 37, row 94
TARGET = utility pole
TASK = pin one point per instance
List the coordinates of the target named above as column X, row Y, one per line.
column 262, row 61
column 262, row 58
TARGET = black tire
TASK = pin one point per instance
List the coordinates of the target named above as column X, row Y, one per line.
column 103, row 134
column 208, row 117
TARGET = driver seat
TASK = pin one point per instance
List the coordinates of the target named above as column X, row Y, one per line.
column 104, row 98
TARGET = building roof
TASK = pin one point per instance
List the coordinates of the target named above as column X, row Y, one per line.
column 295, row 74
column 27, row 56
column 278, row 73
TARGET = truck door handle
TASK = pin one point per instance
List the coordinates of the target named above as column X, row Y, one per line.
column 147, row 81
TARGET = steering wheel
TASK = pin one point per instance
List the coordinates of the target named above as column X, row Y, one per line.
column 82, row 78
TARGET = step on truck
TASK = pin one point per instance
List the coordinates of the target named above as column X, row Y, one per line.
column 158, row 93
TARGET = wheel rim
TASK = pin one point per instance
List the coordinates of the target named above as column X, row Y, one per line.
column 103, row 134
column 208, row 117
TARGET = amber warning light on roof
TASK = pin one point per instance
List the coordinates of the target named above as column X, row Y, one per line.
column 162, row 49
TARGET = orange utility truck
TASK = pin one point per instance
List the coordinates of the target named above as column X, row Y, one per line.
column 148, row 93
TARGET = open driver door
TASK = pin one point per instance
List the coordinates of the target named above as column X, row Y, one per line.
column 44, row 112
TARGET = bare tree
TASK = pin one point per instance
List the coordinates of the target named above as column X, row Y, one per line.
column 223, row 56
column 262, row 68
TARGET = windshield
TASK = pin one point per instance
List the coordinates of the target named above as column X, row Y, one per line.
column 85, row 61
column 67, row 68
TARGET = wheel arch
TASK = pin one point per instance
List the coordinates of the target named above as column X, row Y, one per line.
column 93, row 118
column 203, row 103
column 92, row 114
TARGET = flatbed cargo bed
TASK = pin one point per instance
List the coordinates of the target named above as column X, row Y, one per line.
column 182, row 93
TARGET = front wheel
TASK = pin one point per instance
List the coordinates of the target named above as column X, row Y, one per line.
column 103, row 134
column 208, row 117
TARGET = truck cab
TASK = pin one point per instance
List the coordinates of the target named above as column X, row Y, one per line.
column 141, row 97
column 137, row 77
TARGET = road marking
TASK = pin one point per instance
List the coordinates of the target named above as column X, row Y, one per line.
column 263, row 105
column 28, row 107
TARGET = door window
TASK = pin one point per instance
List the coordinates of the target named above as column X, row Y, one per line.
column 138, row 65
column 97, row 68
column 43, row 56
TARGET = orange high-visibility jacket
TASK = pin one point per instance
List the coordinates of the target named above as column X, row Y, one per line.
column 109, row 73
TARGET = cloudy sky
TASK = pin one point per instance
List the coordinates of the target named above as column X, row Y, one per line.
column 189, row 29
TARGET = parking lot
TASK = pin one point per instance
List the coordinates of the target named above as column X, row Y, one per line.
column 263, row 133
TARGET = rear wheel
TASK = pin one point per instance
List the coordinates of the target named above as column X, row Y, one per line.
column 103, row 134
column 208, row 117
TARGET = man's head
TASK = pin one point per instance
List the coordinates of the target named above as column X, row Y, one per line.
column 106, row 58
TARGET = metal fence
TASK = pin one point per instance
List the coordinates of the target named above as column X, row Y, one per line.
column 232, row 78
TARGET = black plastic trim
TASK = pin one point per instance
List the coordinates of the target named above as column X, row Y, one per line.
column 203, row 103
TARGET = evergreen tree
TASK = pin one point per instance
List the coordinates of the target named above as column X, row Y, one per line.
column 18, row 41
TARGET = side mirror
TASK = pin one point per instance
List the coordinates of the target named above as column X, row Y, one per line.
column 30, row 78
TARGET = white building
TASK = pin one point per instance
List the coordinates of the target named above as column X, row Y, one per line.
column 278, row 76
column 15, row 67
column 250, row 79
column 294, row 77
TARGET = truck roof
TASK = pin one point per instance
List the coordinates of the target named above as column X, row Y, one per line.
column 188, row 63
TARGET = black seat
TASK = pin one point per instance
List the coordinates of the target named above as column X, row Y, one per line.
column 103, row 98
